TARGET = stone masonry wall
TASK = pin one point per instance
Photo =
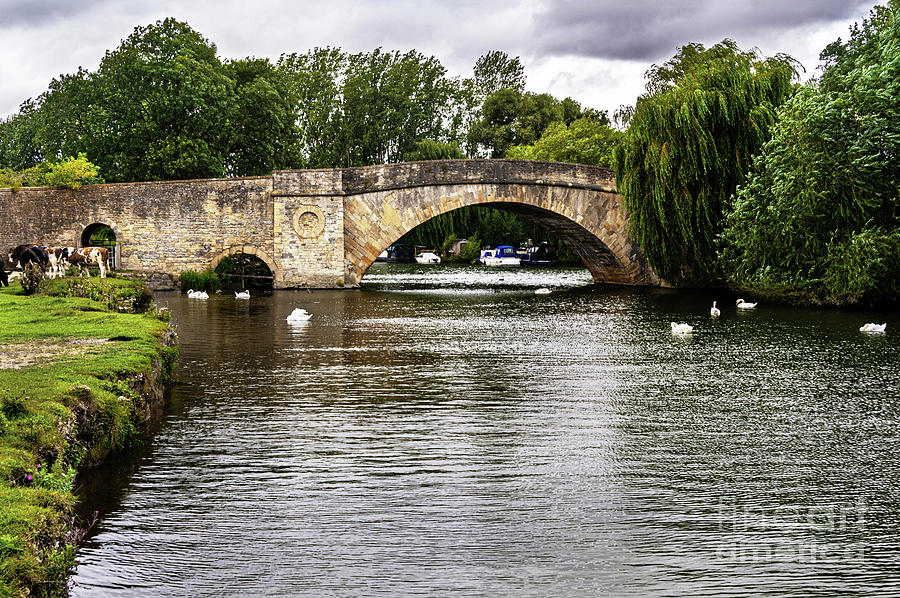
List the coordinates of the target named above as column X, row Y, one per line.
column 167, row 226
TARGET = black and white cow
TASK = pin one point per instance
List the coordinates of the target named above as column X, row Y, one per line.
column 80, row 258
column 26, row 254
column 4, row 279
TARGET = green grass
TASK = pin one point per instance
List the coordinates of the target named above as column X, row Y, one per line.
column 83, row 399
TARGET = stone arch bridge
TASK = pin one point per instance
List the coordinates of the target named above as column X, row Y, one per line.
column 324, row 228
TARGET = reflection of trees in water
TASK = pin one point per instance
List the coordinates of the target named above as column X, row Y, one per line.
column 244, row 271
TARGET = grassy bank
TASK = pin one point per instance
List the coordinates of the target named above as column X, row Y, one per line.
column 78, row 379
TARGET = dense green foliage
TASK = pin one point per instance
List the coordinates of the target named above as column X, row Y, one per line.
column 61, row 412
column 820, row 210
column 689, row 143
column 509, row 117
column 584, row 141
column 71, row 173
column 162, row 105
column 365, row 108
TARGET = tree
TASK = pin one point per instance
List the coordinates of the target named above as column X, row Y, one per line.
column 315, row 78
column 366, row 108
column 391, row 101
column 820, row 210
column 495, row 71
column 584, row 141
column 158, row 107
column 509, row 117
column 263, row 133
column 690, row 141
column 18, row 148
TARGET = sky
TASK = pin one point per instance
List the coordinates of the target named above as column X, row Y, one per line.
column 595, row 51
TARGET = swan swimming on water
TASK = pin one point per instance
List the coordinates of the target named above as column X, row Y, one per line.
column 714, row 311
column 681, row 328
column 542, row 291
column 873, row 327
column 192, row 294
column 744, row 305
column 299, row 315
column 245, row 294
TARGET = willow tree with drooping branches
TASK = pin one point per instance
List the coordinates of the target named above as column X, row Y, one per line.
column 689, row 142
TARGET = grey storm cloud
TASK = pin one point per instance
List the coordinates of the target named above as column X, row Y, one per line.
column 26, row 13
column 647, row 29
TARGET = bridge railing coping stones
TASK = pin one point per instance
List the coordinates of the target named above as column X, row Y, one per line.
column 385, row 177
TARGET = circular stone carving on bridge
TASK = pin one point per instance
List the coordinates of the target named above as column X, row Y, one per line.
column 309, row 222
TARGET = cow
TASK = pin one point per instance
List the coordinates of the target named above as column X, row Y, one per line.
column 4, row 279
column 80, row 258
column 16, row 253
column 57, row 257
column 25, row 254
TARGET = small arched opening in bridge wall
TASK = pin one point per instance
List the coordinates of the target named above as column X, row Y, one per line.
column 99, row 234
column 247, row 267
column 590, row 222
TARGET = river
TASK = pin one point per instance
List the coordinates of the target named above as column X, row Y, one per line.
column 446, row 431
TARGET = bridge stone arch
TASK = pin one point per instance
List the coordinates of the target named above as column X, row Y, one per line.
column 249, row 250
column 578, row 203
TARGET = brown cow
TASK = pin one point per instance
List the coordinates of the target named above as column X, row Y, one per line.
column 80, row 258
column 57, row 258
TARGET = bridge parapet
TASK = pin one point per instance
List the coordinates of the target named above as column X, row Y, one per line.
column 405, row 175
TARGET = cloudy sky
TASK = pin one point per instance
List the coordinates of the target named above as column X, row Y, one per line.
column 595, row 51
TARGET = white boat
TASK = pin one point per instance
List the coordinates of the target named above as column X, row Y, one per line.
column 428, row 257
column 504, row 255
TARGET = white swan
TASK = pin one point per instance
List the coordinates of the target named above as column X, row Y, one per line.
column 242, row 295
column 681, row 328
column 744, row 305
column 873, row 327
column 197, row 294
column 715, row 311
column 299, row 315
column 542, row 291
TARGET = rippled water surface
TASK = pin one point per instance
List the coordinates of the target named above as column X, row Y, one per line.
column 445, row 431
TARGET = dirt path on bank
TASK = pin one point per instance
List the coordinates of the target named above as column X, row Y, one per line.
column 21, row 355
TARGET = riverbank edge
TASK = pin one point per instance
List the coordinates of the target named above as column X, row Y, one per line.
column 41, row 563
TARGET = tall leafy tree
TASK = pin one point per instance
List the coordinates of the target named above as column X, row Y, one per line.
column 690, row 142
column 495, row 70
column 166, row 87
column 316, row 79
column 820, row 211
column 263, row 134
column 391, row 101
column 19, row 149
column 366, row 108
column 158, row 107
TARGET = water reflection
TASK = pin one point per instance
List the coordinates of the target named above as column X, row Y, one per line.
column 443, row 433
